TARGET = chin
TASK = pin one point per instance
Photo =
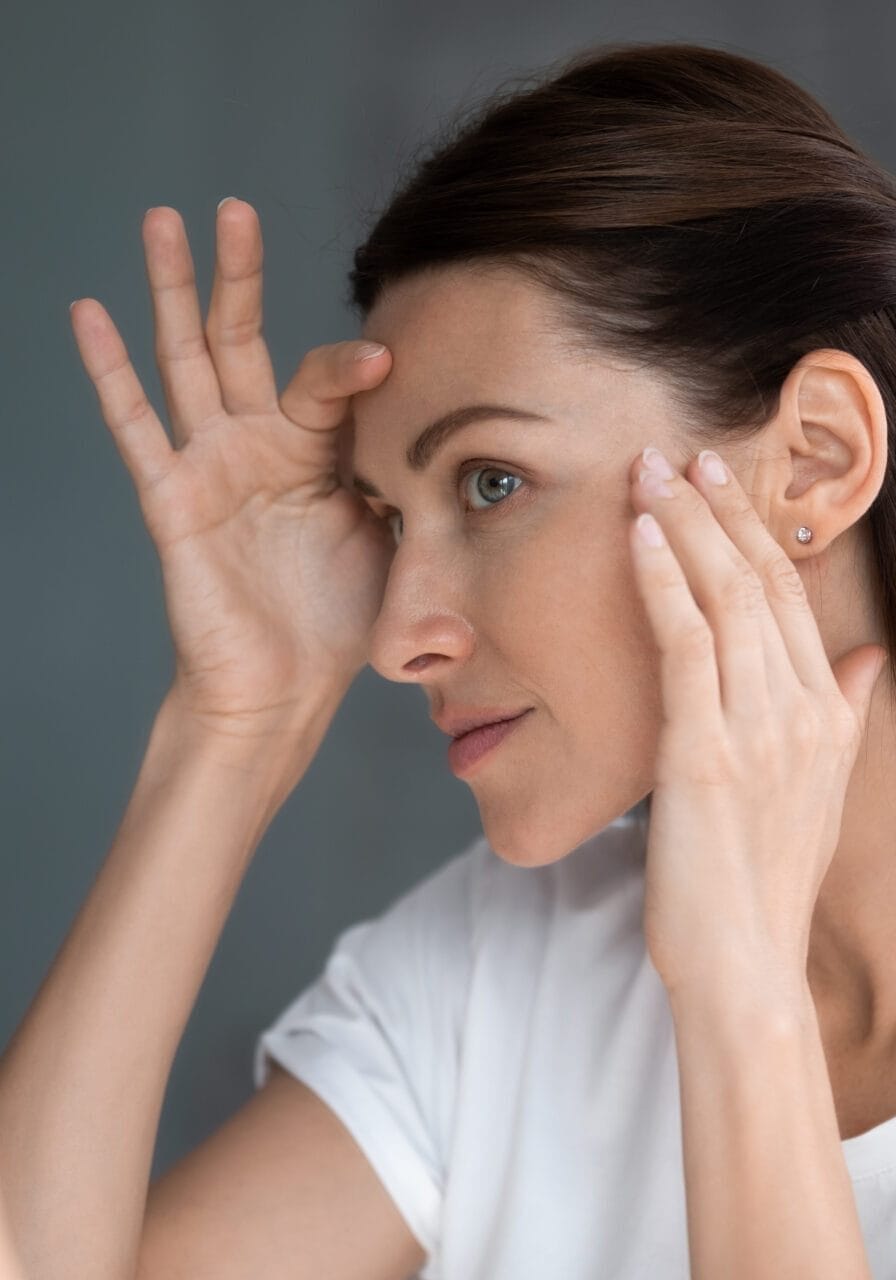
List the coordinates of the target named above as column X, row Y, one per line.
column 536, row 836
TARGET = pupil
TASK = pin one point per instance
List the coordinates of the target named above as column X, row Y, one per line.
column 497, row 486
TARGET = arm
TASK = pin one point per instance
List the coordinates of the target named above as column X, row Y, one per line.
column 768, row 1191
column 758, row 739
column 83, row 1079
column 10, row 1268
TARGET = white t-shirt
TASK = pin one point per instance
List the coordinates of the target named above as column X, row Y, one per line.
column 501, row 1048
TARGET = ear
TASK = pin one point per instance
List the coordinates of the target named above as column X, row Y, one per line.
column 831, row 430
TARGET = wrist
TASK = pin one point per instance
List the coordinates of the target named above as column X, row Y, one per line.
column 275, row 745
column 757, row 996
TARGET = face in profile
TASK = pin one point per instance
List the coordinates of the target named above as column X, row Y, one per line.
column 511, row 584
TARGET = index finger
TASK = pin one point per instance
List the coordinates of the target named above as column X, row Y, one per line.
column 797, row 648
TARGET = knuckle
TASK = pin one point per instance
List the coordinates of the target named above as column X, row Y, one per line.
column 695, row 642
column 175, row 349
column 324, row 367
column 711, row 761
column 743, row 593
column 233, row 333
column 317, row 368
column 806, row 727
column 782, row 578
column 136, row 411
column 740, row 508
column 112, row 372
column 767, row 748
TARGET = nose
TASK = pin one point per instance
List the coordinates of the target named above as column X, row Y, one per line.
column 420, row 629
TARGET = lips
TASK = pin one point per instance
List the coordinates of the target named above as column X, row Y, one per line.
column 467, row 750
column 462, row 722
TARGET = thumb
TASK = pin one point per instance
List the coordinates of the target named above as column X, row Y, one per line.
column 857, row 674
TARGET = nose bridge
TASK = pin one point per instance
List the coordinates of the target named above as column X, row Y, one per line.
column 424, row 580
column 421, row 611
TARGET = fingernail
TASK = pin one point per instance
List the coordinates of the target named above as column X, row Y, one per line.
column 712, row 467
column 650, row 530
column 656, row 461
column 369, row 350
column 224, row 201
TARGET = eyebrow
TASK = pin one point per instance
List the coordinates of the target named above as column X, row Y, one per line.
column 432, row 438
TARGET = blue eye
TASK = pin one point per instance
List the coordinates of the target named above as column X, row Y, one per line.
column 496, row 490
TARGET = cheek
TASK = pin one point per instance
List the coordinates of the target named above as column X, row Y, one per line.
column 568, row 595
column 572, row 632
column 573, row 629
column 564, row 611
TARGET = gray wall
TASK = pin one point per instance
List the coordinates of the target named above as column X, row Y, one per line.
column 306, row 111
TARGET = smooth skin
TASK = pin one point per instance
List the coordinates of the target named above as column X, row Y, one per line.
column 531, row 599
column 272, row 573
column 758, row 729
column 534, row 600
column 10, row 1263
column 759, row 739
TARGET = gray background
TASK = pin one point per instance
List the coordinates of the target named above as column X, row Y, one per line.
column 306, row 111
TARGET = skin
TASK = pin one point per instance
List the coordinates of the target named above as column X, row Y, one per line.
column 529, row 600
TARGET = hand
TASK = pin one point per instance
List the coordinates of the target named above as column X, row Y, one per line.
column 758, row 742
column 273, row 570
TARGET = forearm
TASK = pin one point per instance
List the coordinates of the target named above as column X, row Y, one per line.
column 768, row 1192
column 83, row 1080
column 10, row 1267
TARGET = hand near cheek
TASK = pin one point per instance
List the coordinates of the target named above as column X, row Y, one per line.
column 759, row 738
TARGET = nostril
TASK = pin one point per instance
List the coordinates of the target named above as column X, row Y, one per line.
column 420, row 663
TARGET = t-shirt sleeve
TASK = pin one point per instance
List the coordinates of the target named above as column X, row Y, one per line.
column 376, row 1035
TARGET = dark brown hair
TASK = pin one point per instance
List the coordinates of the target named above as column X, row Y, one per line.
column 684, row 206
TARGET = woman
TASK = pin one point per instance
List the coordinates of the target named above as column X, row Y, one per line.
column 603, row 1040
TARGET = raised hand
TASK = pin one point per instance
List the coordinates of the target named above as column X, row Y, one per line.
column 273, row 570
column 760, row 735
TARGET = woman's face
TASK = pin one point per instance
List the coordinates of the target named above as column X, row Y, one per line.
column 512, row 586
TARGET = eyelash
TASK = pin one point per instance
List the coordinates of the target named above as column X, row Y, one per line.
column 471, row 468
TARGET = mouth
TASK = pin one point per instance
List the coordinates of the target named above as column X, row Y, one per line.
column 457, row 724
column 469, row 748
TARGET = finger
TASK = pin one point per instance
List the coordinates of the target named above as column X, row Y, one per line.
column 189, row 378
column 318, row 397
column 753, row 663
column 802, row 651
column 690, row 685
column 234, row 322
column 136, row 429
column 345, row 451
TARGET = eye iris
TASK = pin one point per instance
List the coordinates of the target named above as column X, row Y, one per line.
column 496, row 488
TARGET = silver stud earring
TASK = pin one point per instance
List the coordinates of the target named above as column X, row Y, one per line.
column 804, row 534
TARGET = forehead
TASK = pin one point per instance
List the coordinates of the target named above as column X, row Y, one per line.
column 484, row 311
column 458, row 335
column 461, row 334
column 483, row 333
